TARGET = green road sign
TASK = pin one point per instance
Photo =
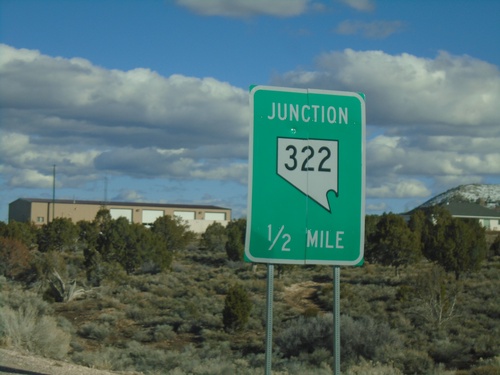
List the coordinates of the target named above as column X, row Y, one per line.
column 306, row 177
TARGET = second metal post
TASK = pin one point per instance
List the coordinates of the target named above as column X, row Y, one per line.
column 336, row 320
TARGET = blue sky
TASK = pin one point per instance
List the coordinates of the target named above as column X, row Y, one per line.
column 148, row 100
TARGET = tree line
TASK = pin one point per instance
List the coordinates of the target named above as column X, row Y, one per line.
column 113, row 245
column 28, row 252
column 457, row 245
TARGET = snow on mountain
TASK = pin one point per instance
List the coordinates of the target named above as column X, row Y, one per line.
column 486, row 195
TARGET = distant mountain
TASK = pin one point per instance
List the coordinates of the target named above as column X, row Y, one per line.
column 485, row 195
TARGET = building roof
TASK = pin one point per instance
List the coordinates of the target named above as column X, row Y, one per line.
column 131, row 204
column 471, row 210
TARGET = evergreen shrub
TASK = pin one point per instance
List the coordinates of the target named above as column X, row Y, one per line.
column 237, row 306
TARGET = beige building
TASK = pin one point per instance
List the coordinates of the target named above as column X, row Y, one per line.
column 41, row 211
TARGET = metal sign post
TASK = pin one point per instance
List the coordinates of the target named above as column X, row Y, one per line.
column 336, row 320
column 269, row 317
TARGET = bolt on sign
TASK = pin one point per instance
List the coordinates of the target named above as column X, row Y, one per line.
column 306, row 177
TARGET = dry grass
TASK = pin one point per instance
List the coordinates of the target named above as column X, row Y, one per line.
column 28, row 328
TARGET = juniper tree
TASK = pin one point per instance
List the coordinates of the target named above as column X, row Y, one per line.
column 495, row 246
column 370, row 228
column 235, row 245
column 174, row 232
column 237, row 307
column 394, row 243
column 58, row 235
column 20, row 231
column 88, row 236
column 214, row 238
column 458, row 245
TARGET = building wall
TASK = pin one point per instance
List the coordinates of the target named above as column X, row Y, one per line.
column 41, row 212
column 490, row 224
column 20, row 210
column 200, row 226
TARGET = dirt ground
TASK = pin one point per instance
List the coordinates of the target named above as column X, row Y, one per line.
column 300, row 296
column 12, row 362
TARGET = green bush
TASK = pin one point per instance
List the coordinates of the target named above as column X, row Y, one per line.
column 365, row 368
column 367, row 338
column 235, row 244
column 94, row 331
column 449, row 352
column 237, row 308
column 360, row 338
column 306, row 334
column 412, row 361
column 59, row 235
column 163, row 332
column 495, row 247
column 485, row 370
column 214, row 239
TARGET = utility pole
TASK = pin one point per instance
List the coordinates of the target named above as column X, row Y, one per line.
column 53, row 192
column 105, row 190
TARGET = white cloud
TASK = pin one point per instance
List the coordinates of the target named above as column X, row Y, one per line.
column 400, row 189
column 13, row 143
column 388, row 156
column 128, row 195
column 361, row 5
column 31, row 178
column 405, row 90
column 458, row 143
column 432, row 122
column 147, row 162
column 436, row 118
column 30, row 164
column 379, row 207
column 81, row 117
column 45, row 95
column 246, row 8
column 374, row 29
column 234, row 172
